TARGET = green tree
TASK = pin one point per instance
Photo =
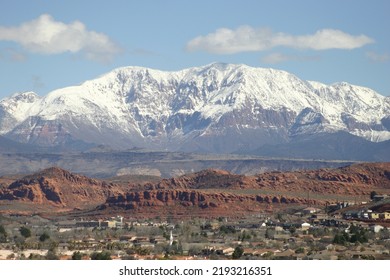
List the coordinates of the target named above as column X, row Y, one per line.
column 244, row 236
column 2, row 229
column 238, row 252
column 280, row 217
column 25, row 232
column 77, row 255
column 51, row 255
column 300, row 250
column 206, row 226
column 33, row 256
column 44, row 236
column 292, row 230
column 373, row 194
column 101, row 256
column 358, row 234
column 270, row 233
column 3, row 234
column 227, row 229
column 341, row 238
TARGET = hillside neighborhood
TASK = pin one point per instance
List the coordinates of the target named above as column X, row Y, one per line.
column 340, row 231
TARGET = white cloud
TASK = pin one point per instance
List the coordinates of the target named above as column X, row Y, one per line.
column 246, row 39
column 47, row 36
column 275, row 58
column 375, row 57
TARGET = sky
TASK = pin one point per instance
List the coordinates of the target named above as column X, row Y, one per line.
column 45, row 45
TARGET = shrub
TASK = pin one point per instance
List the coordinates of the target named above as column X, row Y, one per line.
column 25, row 232
column 101, row 256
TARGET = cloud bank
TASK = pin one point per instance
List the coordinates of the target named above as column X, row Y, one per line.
column 46, row 36
column 247, row 39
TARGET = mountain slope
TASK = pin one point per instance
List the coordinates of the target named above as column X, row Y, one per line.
column 329, row 146
column 10, row 146
column 215, row 108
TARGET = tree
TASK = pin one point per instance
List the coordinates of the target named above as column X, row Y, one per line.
column 206, row 226
column 238, row 251
column 227, row 229
column 25, row 232
column 341, row 238
column 195, row 250
column 373, row 194
column 358, row 234
column 384, row 234
column 300, row 250
column 33, row 256
column 77, row 255
column 292, row 230
column 2, row 229
column 244, row 236
column 280, row 217
column 44, row 236
column 101, row 256
column 3, row 234
column 270, row 233
column 51, row 255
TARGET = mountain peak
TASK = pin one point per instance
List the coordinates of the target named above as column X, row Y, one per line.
column 53, row 171
column 218, row 107
column 28, row 96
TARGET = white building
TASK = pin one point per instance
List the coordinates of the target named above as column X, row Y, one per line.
column 376, row 228
column 305, row 226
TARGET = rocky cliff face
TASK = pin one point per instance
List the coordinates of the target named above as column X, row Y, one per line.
column 222, row 192
column 214, row 192
column 206, row 179
column 192, row 202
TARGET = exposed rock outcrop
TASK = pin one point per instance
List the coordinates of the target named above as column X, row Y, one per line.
column 217, row 190
column 205, row 192
column 59, row 187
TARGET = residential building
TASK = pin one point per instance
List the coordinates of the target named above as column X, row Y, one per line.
column 376, row 228
column 305, row 226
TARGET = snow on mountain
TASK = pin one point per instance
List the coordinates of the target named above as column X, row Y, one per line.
column 14, row 109
column 194, row 108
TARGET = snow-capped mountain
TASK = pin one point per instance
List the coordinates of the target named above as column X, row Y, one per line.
column 217, row 108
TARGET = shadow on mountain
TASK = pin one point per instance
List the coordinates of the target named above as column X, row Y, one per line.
column 336, row 146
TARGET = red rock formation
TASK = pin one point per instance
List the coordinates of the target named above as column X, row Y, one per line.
column 58, row 187
column 357, row 179
column 207, row 179
column 159, row 199
column 212, row 190
column 208, row 191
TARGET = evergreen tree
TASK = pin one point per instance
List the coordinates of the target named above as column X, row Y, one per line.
column 25, row 232
column 44, row 237
column 3, row 234
column 77, row 255
column 238, row 251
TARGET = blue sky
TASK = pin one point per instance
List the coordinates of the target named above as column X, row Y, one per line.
column 51, row 44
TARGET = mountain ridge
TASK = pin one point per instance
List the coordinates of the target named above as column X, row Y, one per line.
column 205, row 192
column 195, row 109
